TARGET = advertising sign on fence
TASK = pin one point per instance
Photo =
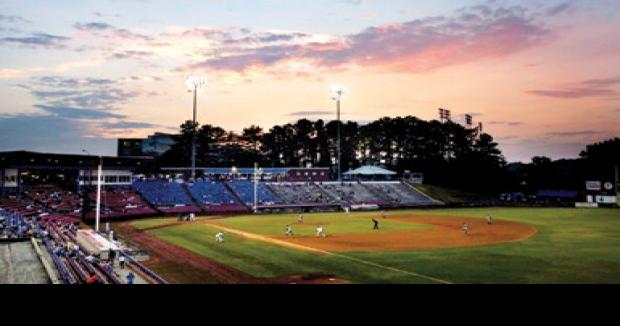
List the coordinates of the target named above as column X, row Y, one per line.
column 593, row 185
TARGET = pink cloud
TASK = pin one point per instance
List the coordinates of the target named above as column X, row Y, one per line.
column 421, row 45
column 583, row 89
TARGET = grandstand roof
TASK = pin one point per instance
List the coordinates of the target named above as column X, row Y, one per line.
column 246, row 170
column 26, row 159
column 370, row 170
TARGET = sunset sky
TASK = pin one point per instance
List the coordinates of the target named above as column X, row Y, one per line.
column 542, row 75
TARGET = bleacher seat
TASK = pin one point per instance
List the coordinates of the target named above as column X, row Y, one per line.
column 163, row 193
column 245, row 190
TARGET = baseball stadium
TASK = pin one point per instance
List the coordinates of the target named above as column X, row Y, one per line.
column 120, row 163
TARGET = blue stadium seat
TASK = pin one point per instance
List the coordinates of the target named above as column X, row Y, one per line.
column 211, row 193
column 163, row 193
column 245, row 190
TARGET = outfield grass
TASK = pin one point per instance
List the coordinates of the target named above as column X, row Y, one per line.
column 571, row 246
column 145, row 224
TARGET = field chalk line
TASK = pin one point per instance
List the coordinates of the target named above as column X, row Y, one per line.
column 320, row 251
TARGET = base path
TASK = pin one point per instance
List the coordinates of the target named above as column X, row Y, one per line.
column 287, row 244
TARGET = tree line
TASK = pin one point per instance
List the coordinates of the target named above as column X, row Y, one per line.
column 448, row 153
column 597, row 162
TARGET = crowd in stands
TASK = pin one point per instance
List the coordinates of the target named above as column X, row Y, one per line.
column 13, row 226
column 58, row 233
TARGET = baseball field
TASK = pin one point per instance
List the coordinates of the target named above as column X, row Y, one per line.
column 522, row 245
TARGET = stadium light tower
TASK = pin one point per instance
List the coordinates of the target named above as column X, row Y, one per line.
column 338, row 92
column 194, row 84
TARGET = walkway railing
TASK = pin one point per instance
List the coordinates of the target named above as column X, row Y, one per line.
column 144, row 269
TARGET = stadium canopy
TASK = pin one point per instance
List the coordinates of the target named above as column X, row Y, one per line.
column 242, row 170
column 369, row 170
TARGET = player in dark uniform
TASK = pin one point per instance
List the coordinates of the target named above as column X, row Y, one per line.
column 376, row 224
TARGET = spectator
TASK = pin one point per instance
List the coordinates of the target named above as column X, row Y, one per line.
column 109, row 267
column 111, row 256
column 130, row 278
column 92, row 278
column 121, row 261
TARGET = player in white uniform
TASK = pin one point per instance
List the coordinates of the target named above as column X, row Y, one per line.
column 489, row 219
column 466, row 228
column 320, row 232
column 289, row 231
column 219, row 237
column 300, row 219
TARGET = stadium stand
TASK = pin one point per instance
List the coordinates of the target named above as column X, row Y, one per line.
column 71, row 261
column 120, row 203
column 245, row 190
column 13, row 226
column 351, row 193
column 215, row 197
column 23, row 207
column 169, row 197
column 397, row 194
column 300, row 193
column 56, row 199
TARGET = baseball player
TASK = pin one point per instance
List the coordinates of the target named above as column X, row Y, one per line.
column 376, row 224
column 320, row 232
column 466, row 228
column 300, row 219
column 219, row 237
column 289, row 231
column 383, row 216
column 489, row 219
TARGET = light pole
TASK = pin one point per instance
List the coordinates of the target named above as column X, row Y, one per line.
column 193, row 85
column 99, row 175
column 337, row 94
column 255, row 187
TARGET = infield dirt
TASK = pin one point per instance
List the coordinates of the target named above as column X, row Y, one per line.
column 446, row 232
